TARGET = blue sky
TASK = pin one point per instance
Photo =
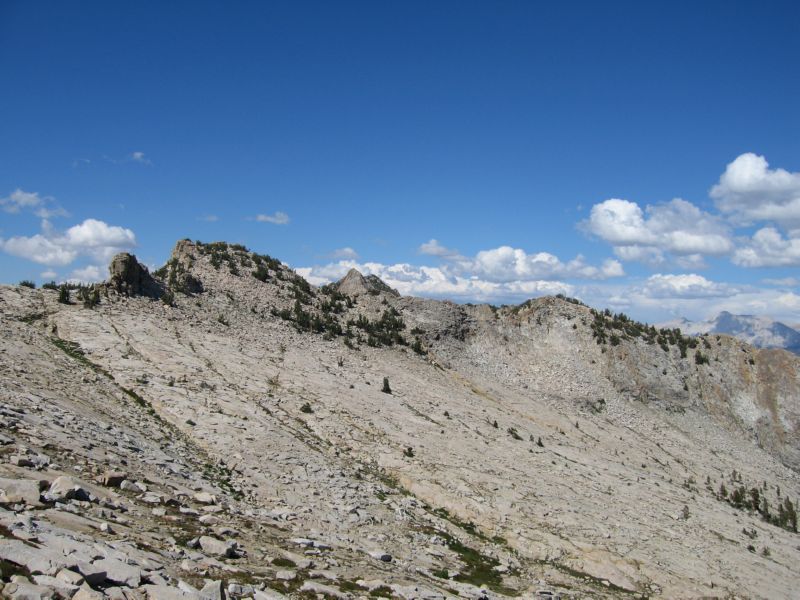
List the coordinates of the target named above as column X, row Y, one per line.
column 471, row 150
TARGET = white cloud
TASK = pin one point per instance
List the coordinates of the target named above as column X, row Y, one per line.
column 44, row 207
column 436, row 282
column 749, row 191
column 49, row 274
column 506, row 264
column 279, row 218
column 663, row 297
column 434, row 248
column 87, row 274
column 92, row 238
column 768, row 248
column 139, row 157
column 684, row 286
column 344, row 253
column 783, row 281
column 500, row 274
column 208, row 218
column 677, row 227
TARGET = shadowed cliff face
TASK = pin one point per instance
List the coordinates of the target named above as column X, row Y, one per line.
column 540, row 448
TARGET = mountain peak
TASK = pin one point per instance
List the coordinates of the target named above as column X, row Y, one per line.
column 355, row 284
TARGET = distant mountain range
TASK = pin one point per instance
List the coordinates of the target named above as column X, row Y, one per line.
column 761, row 332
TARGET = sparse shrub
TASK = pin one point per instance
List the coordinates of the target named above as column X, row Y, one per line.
column 28, row 284
column 408, row 452
column 90, row 296
column 168, row 298
column 386, row 389
column 512, row 431
column 539, row 443
column 306, row 408
column 223, row 320
column 63, row 295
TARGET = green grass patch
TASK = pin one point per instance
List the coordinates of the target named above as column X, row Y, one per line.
column 74, row 351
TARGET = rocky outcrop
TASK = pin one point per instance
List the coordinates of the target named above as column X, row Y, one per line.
column 130, row 278
column 355, row 284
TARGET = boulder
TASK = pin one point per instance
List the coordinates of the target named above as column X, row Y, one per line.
column 268, row 594
column 70, row 577
column 87, row 593
column 213, row 590
column 120, row 573
column 22, row 590
column 205, row 498
column 66, row 488
column 318, row 589
column 63, row 589
column 43, row 561
column 113, row 478
column 14, row 491
column 381, row 555
column 164, row 592
column 218, row 548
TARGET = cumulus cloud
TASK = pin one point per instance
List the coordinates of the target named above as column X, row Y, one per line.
column 87, row 274
column 434, row 248
column 749, row 191
column 436, row 282
column 279, row 218
column 500, row 274
column 506, row 264
column 768, row 248
column 677, row 227
column 685, row 286
column 44, row 207
column 92, row 238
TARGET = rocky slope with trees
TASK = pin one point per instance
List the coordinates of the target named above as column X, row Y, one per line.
column 222, row 428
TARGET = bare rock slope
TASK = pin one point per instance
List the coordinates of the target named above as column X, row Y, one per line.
column 249, row 435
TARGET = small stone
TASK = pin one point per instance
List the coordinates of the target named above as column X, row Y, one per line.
column 205, row 498
column 113, row 478
column 209, row 520
column 381, row 555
